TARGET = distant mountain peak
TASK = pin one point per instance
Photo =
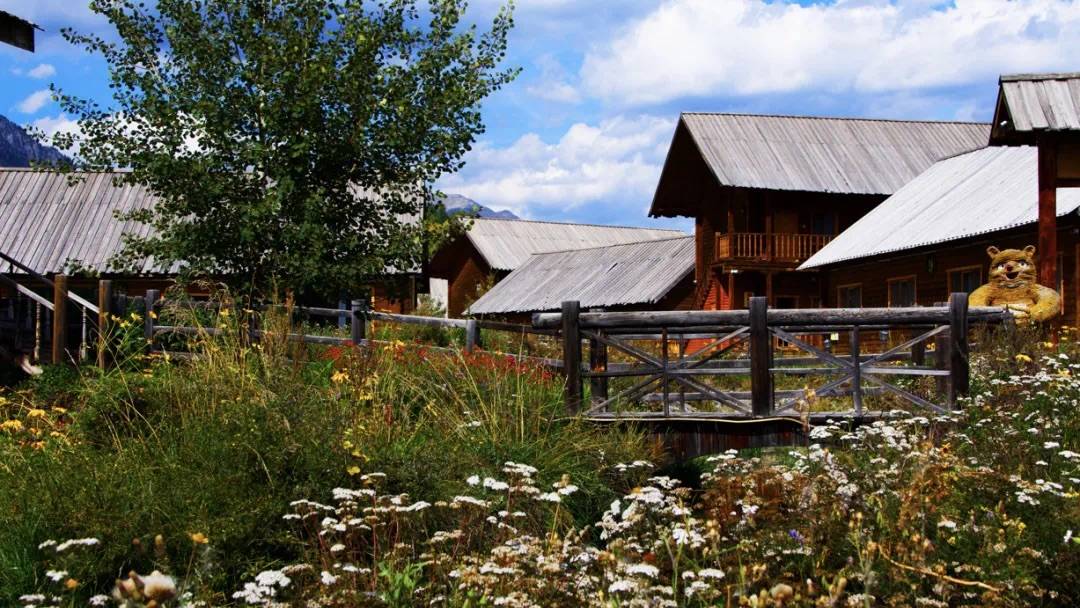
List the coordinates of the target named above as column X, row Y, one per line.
column 18, row 149
column 459, row 204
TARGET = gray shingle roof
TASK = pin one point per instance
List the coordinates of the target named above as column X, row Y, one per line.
column 983, row 191
column 1039, row 102
column 506, row 244
column 615, row 275
column 811, row 154
column 45, row 222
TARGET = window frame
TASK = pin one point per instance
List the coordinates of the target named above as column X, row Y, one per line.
column 914, row 289
column 841, row 288
column 949, row 275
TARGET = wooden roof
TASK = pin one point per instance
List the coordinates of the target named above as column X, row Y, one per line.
column 1030, row 104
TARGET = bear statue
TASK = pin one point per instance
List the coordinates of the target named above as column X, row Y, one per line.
column 1012, row 284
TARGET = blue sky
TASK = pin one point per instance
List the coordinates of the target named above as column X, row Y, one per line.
column 582, row 133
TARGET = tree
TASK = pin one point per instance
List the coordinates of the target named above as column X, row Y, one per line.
column 289, row 141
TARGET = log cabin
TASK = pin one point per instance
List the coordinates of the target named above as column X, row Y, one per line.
column 767, row 192
column 56, row 223
column 930, row 238
column 656, row 274
column 492, row 248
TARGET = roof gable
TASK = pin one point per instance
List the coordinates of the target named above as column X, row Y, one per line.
column 616, row 275
column 810, row 154
column 979, row 192
column 1031, row 103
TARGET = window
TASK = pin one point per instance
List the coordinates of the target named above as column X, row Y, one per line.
column 965, row 280
column 902, row 292
column 849, row 296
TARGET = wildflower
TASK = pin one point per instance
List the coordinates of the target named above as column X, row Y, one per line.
column 338, row 377
column 1022, row 358
column 71, row 584
column 99, row 600
column 644, row 569
column 76, row 542
column 56, row 575
column 327, row 579
column 353, row 470
column 711, row 573
column 473, row 480
column 1068, row 536
column 621, row 585
column 35, row 413
column 199, row 538
column 11, row 426
column 1049, row 445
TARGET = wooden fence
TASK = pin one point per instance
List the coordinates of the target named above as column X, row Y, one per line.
column 758, row 331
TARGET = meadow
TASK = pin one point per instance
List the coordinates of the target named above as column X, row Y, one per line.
column 278, row 474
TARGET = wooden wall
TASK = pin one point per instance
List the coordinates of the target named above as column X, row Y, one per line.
column 931, row 267
column 464, row 270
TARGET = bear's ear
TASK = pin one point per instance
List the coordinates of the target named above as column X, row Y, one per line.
column 992, row 251
column 1030, row 251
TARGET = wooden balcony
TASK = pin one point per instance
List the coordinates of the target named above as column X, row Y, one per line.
column 763, row 247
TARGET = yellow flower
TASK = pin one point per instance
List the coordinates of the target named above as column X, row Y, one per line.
column 353, row 470
column 11, row 425
column 1048, row 345
column 347, row 444
column 71, row 584
column 199, row 538
column 35, row 413
column 1022, row 358
column 153, row 315
column 224, row 312
column 38, row 445
column 59, row 410
column 339, row 376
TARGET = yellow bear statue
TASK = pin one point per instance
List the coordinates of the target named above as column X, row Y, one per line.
column 1012, row 284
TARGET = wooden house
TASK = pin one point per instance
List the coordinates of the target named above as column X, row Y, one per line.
column 930, row 238
column 648, row 275
column 767, row 192
column 56, row 223
column 492, row 248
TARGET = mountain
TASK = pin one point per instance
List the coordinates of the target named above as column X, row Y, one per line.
column 456, row 203
column 18, row 149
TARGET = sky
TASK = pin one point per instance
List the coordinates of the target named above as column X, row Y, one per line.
column 581, row 135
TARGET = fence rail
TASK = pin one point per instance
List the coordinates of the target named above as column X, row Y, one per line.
column 768, row 246
column 657, row 373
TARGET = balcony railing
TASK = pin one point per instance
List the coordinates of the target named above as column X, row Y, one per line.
column 761, row 246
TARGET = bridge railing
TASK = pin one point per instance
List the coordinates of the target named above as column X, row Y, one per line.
column 704, row 341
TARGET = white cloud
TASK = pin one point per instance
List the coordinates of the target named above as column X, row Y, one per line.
column 50, row 126
column 43, row 70
column 617, row 161
column 747, row 47
column 35, row 101
column 552, row 85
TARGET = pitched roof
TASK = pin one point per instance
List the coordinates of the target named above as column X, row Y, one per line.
column 811, row 154
column 47, row 222
column 506, row 244
column 50, row 220
column 979, row 192
column 1029, row 103
column 615, row 275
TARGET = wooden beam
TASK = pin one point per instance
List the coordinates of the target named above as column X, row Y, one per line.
column 760, row 358
column 105, row 299
column 59, row 325
column 572, row 355
column 1047, row 213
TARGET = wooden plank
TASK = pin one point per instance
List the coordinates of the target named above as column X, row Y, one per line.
column 598, row 363
column 824, row 317
column 358, row 321
column 1047, row 173
column 572, row 355
column 760, row 357
column 417, row 320
column 472, row 336
column 856, row 371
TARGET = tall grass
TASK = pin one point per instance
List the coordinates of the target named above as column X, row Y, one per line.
column 220, row 444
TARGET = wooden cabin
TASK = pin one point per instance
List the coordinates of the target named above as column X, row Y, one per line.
column 767, row 192
column 492, row 248
column 929, row 239
column 55, row 223
column 649, row 275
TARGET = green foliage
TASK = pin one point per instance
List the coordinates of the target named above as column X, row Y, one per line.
column 266, row 128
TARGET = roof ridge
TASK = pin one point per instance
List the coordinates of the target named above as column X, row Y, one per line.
column 1038, row 76
column 509, row 219
column 73, row 171
column 849, row 118
column 609, row 246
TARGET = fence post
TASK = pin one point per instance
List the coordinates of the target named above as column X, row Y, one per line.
column 104, row 301
column 598, row 362
column 152, row 296
column 856, row 376
column 472, row 335
column 572, row 355
column 59, row 325
column 358, row 322
column 959, row 380
column 760, row 358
